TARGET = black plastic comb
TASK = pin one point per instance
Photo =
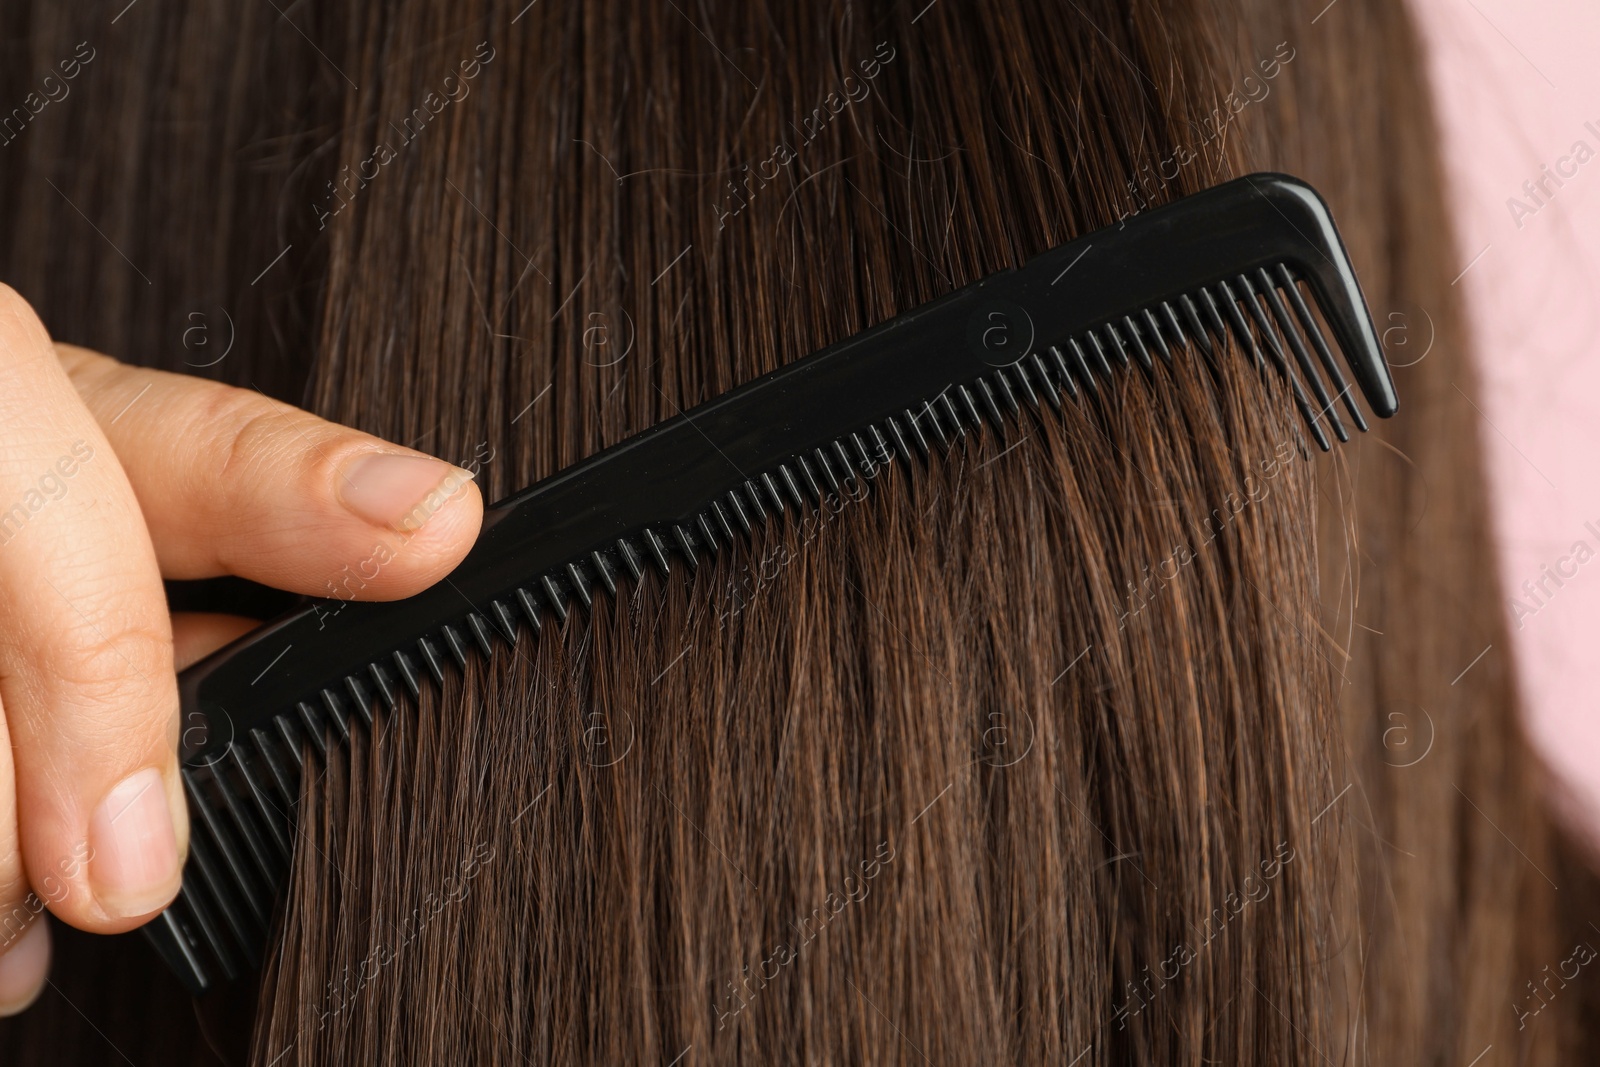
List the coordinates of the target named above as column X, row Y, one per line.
column 1235, row 262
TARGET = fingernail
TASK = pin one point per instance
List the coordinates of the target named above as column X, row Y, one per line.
column 134, row 869
column 24, row 963
column 399, row 491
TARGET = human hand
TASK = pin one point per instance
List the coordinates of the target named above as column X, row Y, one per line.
column 111, row 478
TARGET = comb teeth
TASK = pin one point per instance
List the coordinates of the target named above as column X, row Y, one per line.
column 894, row 395
column 1268, row 319
column 243, row 847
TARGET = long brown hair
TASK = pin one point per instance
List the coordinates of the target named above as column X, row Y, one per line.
column 1133, row 738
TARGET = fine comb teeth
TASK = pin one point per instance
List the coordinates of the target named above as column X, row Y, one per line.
column 1174, row 282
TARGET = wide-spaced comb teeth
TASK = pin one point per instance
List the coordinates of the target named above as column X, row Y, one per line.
column 1254, row 268
column 1311, row 329
column 1272, row 319
column 1229, row 301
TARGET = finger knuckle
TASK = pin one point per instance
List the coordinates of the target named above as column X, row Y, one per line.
column 238, row 422
column 258, row 437
column 99, row 665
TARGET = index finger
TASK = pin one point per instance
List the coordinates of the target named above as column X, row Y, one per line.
column 233, row 482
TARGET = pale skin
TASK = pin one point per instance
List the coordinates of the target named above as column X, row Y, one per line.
column 113, row 477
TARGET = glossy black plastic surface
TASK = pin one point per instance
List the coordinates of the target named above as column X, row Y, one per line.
column 1175, row 280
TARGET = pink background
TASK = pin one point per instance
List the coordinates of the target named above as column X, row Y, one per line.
column 1517, row 80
